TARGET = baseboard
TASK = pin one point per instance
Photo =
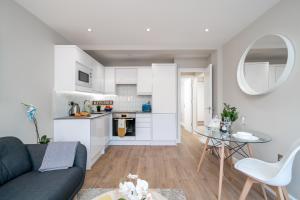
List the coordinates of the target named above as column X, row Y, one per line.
column 269, row 190
column 151, row 143
column 129, row 142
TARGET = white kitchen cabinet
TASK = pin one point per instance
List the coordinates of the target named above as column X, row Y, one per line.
column 144, row 81
column 93, row 133
column 97, row 138
column 110, row 84
column 164, row 91
column 164, row 127
column 164, row 102
column 66, row 60
column 98, row 79
column 143, row 124
column 107, row 128
column 143, row 134
column 126, row 75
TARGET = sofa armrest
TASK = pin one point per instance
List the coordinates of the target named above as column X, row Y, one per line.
column 81, row 157
column 37, row 152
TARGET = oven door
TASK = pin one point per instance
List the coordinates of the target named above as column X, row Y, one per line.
column 130, row 126
column 83, row 76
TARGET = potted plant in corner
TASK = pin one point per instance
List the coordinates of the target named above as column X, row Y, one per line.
column 31, row 115
column 229, row 115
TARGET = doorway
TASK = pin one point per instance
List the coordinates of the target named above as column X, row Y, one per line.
column 195, row 98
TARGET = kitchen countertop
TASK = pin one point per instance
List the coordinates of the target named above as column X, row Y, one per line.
column 93, row 116
column 131, row 112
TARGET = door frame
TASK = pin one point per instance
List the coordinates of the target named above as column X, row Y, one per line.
column 180, row 70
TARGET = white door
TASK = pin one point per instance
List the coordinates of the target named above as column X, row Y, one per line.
column 208, row 95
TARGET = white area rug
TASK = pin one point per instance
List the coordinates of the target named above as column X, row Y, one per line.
column 170, row 194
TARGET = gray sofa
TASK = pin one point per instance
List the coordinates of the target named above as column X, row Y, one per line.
column 21, row 180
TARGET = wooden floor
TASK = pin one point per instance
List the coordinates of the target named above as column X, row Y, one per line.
column 167, row 167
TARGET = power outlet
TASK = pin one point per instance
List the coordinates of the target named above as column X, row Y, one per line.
column 279, row 157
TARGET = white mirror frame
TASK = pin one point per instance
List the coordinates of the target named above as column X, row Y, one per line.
column 244, row 86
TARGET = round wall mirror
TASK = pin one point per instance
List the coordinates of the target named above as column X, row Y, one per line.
column 265, row 64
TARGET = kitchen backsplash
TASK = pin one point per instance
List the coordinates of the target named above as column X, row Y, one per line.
column 125, row 100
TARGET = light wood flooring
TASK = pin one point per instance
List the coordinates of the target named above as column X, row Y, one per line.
column 168, row 167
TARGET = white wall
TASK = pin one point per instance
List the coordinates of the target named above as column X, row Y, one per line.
column 191, row 62
column 216, row 59
column 26, row 71
column 186, row 102
column 200, row 101
column 277, row 113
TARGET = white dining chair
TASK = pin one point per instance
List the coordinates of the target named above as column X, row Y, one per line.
column 277, row 174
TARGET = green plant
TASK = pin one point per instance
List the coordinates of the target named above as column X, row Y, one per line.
column 44, row 140
column 230, row 112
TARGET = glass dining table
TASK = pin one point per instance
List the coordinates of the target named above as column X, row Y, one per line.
column 233, row 143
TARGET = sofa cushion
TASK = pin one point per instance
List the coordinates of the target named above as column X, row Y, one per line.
column 14, row 159
column 51, row 185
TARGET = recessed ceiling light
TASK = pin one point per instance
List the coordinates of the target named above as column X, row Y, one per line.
column 148, row 29
column 206, row 30
column 89, row 30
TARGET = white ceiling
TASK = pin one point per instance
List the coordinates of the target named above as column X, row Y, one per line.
column 121, row 24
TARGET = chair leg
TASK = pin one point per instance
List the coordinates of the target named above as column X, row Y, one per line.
column 246, row 188
column 285, row 193
column 263, row 188
column 203, row 155
column 221, row 172
column 279, row 193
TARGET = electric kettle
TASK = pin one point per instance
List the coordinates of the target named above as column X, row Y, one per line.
column 74, row 108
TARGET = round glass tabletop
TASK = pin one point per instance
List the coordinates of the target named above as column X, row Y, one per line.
column 239, row 136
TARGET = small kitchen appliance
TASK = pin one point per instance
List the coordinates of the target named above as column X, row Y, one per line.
column 84, row 76
column 146, row 107
column 129, row 119
column 74, row 108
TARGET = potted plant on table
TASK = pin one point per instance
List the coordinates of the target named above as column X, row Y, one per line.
column 31, row 115
column 229, row 115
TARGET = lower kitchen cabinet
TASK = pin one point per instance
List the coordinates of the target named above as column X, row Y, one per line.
column 164, row 127
column 93, row 133
column 143, row 126
column 143, row 134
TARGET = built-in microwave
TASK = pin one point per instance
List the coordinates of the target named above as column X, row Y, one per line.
column 84, row 75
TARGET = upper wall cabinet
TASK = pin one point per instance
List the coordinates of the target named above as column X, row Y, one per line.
column 126, row 75
column 265, row 65
column 164, row 91
column 75, row 70
column 144, row 81
column 99, row 78
column 110, row 83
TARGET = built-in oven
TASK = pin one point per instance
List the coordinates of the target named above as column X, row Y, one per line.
column 84, row 75
column 129, row 121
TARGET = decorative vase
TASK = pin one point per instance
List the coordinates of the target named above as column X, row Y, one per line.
column 227, row 123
